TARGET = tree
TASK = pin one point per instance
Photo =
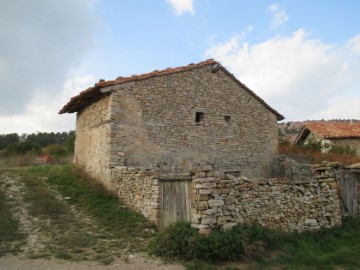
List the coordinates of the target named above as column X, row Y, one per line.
column 7, row 139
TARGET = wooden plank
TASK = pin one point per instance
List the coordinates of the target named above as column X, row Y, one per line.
column 176, row 201
column 188, row 200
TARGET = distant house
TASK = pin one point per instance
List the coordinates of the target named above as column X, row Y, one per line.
column 339, row 133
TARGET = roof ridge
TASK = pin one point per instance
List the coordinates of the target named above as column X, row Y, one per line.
column 94, row 92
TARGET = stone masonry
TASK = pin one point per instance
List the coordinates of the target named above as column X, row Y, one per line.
column 138, row 189
column 222, row 201
column 170, row 120
column 153, row 123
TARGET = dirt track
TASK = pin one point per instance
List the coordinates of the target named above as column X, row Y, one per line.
column 40, row 234
column 135, row 263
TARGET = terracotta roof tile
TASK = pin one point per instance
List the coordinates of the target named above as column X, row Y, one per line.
column 333, row 130
column 90, row 94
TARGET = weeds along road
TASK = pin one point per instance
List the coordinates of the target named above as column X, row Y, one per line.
column 40, row 229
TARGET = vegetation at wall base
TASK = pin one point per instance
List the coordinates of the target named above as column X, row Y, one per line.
column 324, row 249
column 181, row 241
column 335, row 248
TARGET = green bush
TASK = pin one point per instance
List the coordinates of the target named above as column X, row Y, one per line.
column 180, row 241
column 343, row 150
column 312, row 144
column 55, row 150
column 176, row 241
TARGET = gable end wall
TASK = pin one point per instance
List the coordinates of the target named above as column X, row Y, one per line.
column 153, row 123
column 92, row 139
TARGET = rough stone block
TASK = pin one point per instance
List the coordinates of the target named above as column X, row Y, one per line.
column 213, row 203
column 208, row 221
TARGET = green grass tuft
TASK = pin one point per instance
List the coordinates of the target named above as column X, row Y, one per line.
column 9, row 229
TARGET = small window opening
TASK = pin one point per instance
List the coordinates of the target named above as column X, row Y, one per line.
column 227, row 118
column 199, row 117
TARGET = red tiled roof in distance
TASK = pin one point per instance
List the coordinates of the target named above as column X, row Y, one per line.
column 90, row 94
column 333, row 130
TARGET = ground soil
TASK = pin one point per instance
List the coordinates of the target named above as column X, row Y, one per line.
column 43, row 237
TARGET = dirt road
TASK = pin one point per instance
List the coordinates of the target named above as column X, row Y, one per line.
column 73, row 232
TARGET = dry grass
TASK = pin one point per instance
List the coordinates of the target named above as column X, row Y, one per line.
column 312, row 157
column 16, row 160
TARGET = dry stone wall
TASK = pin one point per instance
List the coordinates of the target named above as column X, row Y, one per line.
column 222, row 201
column 138, row 189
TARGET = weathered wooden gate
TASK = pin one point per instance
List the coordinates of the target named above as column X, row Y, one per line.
column 348, row 187
column 176, row 201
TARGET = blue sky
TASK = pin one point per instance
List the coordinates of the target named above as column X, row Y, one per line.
column 302, row 57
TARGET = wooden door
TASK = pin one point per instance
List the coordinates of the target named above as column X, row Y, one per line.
column 349, row 193
column 176, row 201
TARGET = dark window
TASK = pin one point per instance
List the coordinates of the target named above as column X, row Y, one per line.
column 227, row 118
column 199, row 117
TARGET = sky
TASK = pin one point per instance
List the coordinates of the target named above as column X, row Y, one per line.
column 301, row 57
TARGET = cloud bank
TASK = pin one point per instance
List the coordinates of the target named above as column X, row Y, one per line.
column 301, row 77
column 41, row 41
column 41, row 114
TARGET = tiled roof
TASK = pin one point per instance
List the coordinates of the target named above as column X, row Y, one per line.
column 89, row 95
column 333, row 130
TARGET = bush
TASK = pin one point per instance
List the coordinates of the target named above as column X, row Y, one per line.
column 176, row 241
column 180, row 241
column 55, row 150
column 343, row 150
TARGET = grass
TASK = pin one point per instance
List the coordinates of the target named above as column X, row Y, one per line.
column 326, row 249
column 9, row 229
column 103, row 231
column 122, row 229
column 181, row 241
column 92, row 196
column 335, row 248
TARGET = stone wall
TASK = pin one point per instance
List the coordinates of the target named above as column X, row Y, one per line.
column 353, row 143
column 222, row 200
column 154, row 123
column 138, row 189
column 91, row 151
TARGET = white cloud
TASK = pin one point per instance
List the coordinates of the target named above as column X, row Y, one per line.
column 300, row 77
column 41, row 114
column 354, row 45
column 340, row 108
column 182, row 6
column 279, row 16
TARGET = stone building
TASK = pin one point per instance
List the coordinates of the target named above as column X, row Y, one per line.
column 330, row 133
column 145, row 135
column 172, row 119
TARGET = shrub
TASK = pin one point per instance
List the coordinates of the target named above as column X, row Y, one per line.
column 55, row 150
column 181, row 241
column 176, row 241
